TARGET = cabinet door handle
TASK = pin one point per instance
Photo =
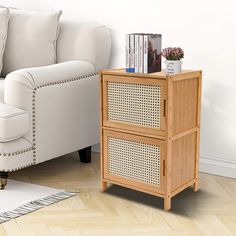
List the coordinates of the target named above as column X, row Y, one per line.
column 164, row 108
column 164, row 167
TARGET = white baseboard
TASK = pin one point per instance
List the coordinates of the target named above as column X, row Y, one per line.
column 210, row 165
column 218, row 166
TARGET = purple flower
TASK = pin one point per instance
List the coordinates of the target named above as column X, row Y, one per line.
column 173, row 53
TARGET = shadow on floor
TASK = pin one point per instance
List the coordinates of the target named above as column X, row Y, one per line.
column 182, row 201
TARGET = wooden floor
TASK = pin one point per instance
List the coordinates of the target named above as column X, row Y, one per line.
column 120, row 211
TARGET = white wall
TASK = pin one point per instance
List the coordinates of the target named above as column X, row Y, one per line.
column 207, row 32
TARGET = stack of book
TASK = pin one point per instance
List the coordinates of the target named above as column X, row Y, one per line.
column 143, row 53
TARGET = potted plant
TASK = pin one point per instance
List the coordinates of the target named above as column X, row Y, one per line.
column 173, row 56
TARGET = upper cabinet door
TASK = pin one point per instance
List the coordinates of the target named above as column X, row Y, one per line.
column 135, row 104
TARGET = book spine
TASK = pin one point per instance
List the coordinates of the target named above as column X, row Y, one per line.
column 131, row 57
column 154, row 53
column 127, row 53
column 159, row 49
column 136, row 53
column 140, row 70
column 145, row 54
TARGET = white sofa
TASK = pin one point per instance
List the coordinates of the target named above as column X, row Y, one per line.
column 49, row 111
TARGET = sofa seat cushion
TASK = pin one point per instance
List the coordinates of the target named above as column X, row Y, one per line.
column 16, row 154
column 31, row 39
column 14, row 123
column 1, row 89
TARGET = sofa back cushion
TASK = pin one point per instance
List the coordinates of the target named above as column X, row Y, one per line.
column 4, row 17
column 88, row 41
column 31, row 39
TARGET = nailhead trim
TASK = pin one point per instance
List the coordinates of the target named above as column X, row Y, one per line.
column 33, row 125
column 33, row 118
column 66, row 81
column 8, row 154
column 19, row 168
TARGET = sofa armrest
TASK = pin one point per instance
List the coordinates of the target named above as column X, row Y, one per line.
column 41, row 76
column 63, row 104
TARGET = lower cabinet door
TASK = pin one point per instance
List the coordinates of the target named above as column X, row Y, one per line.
column 134, row 161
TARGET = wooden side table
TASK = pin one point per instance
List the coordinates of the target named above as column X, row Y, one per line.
column 150, row 131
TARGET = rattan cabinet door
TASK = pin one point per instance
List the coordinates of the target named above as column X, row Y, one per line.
column 133, row 161
column 135, row 104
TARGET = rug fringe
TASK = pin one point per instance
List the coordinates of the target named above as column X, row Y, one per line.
column 34, row 205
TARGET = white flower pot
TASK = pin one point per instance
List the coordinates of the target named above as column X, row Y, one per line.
column 173, row 67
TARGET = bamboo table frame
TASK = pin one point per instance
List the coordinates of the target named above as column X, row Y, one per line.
column 178, row 135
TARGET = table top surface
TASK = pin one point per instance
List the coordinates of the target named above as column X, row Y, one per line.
column 159, row 75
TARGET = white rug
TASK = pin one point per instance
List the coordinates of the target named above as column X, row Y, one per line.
column 21, row 198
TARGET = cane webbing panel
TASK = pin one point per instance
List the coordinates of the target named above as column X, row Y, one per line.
column 137, row 104
column 134, row 160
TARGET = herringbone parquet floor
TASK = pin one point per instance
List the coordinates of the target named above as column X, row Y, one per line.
column 120, row 211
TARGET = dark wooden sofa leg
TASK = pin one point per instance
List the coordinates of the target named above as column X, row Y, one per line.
column 3, row 179
column 85, row 155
